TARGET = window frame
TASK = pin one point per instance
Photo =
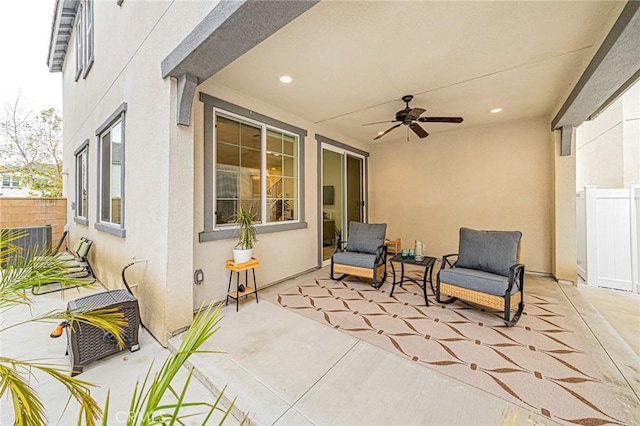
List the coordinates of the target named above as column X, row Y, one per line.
column 82, row 151
column 119, row 115
column 79, row 41
column 89, row 51
column 213, row 106
column 85, row 35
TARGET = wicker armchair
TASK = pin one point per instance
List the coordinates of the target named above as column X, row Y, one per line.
column 365, row 253
column 486, row 272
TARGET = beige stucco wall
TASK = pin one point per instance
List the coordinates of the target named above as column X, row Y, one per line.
column 495, row 177
column 158, row 210
column 563, row 244
column 599, row 150
column 608, row 147
column 281, row 254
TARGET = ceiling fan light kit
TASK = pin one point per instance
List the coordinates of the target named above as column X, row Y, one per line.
column 409, row 116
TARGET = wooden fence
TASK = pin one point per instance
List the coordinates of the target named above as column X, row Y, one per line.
column 32, row 211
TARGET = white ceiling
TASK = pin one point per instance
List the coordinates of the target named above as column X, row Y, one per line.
column 351, row 62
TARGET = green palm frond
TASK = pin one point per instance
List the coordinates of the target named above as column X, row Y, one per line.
column 147, row 405
column 111, row 320
column 7, row 246
column 27, row 407
column 22, row 272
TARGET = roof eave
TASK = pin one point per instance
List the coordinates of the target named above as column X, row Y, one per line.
column 64, row 15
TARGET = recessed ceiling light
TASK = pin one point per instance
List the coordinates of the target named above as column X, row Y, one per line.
column 285, row 79
column 495, row 110
column 380, row 133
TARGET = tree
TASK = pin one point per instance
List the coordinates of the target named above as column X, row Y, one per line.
column 32, row 148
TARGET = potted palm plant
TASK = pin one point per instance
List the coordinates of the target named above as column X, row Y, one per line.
column 246, row 235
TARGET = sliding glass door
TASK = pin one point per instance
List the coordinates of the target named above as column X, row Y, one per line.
column 342, row 195
column 355, row 199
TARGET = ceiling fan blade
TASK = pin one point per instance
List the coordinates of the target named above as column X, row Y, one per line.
column 414, row 113
column 440, row 119
column 418, row 130
column 380, row 122
column 386, row 131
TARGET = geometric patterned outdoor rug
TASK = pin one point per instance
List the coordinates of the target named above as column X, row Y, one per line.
column 537, row 364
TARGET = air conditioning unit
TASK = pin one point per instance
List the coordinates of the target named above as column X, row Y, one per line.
column 87, row 343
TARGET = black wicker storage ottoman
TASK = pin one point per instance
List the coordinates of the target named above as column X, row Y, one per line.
column 87, row 343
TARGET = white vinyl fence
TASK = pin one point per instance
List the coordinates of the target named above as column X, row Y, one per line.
column 607, row 236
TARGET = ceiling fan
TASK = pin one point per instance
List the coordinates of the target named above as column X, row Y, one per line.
column 409, row 116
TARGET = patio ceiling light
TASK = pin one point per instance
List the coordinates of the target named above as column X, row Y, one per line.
column 285, row 79
column 495, row 110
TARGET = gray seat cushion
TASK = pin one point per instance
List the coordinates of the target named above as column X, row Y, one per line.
column 473, row 279
column 365, row 237
column 488, row 251
column 362, row 260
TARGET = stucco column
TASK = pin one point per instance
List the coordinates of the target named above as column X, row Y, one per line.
column 563, row 240
column 631, row 135
column 180, row 199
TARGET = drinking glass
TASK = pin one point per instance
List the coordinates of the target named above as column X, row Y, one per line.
column 405, row 253
column 412, row 253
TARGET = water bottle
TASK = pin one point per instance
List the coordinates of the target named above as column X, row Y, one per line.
column 419, row 250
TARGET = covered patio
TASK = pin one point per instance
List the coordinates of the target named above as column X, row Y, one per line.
column 522, row 75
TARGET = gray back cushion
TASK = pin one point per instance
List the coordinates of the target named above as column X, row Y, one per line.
column 365, row 237
column 489, row 251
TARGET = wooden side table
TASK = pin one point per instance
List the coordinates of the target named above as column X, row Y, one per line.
column 237, row 268
column 393, row 246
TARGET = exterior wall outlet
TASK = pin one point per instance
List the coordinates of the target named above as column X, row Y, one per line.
column 198, row 276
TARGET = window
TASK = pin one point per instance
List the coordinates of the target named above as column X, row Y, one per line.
column 10, row 181
column 84, row 38
column 253, row 162
column 238, row 169
column 111, row 173
column 88, row 36
column 282, row 176
column 82, row 184
column 79, row 42
column 240, row 146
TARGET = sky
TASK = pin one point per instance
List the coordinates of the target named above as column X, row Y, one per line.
column 25, row 27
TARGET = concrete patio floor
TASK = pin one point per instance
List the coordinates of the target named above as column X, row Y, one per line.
column 285, row 369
